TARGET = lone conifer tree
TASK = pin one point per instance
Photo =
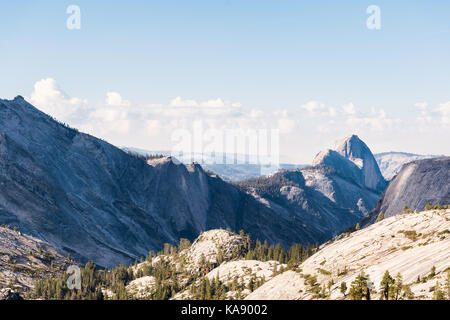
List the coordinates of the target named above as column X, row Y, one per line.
column 359, row 288
column 386, row 285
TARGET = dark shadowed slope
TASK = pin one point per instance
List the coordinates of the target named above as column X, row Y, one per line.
column 93, row 200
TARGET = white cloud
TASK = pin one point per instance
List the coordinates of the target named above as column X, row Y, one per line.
column 255, row 113
column 280, row 113
column 430, row 116
column 115, row 99
column 49, row 98
column 216, row 103
column 424, row 118
column 444, row 110
column 124, row 123
column 332, row 112
column 178, row 102
column 316, row 108
column 154, row 127
column 323, row 128
column 286, row 125
column 313, row 107
column 349, row 108
column 376, row 120
column 422, row 105
column 149, row 126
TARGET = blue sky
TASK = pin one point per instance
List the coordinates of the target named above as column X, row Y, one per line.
column 268, row 56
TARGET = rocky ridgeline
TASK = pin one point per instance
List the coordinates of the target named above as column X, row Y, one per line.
column 390, row 163
column 206, row 249
column 23, row 259
column 415, row 245
column 212, row 256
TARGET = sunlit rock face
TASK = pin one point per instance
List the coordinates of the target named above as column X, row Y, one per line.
column 355, row 150
column 342, row 186
column 417, row 183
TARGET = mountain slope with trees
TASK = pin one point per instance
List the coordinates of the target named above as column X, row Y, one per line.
column 99, row 203
column 403, row 257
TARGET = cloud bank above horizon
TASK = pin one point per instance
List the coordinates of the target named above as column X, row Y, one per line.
column 304, row 130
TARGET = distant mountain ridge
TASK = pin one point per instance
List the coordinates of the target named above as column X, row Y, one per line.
column 390, row 163
column 239, row 169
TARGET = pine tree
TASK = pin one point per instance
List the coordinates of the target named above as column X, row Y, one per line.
column 432, row 272
column 386, row 283
column 438, row 292
column 447, row 285
column 220, row 257
column 330, row 284
column 359, row 288
column 343, row 288
column 251, row 284
column 407, row 292
column 398, row 286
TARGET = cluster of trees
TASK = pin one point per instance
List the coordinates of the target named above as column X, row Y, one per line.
column 145, row 157
column 57, row 288
column 442, row 292
column 7, row 226
column 292, row 257
column 392, row 288
column 405, row 210
column 206, row 289
column 430, row 206
column 169, row 279
column 269, row 187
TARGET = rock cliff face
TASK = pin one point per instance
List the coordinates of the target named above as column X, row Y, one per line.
column 97, row 202
column 341, row 187
column 417, row 183
column 355, row 150
column 24, row 259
